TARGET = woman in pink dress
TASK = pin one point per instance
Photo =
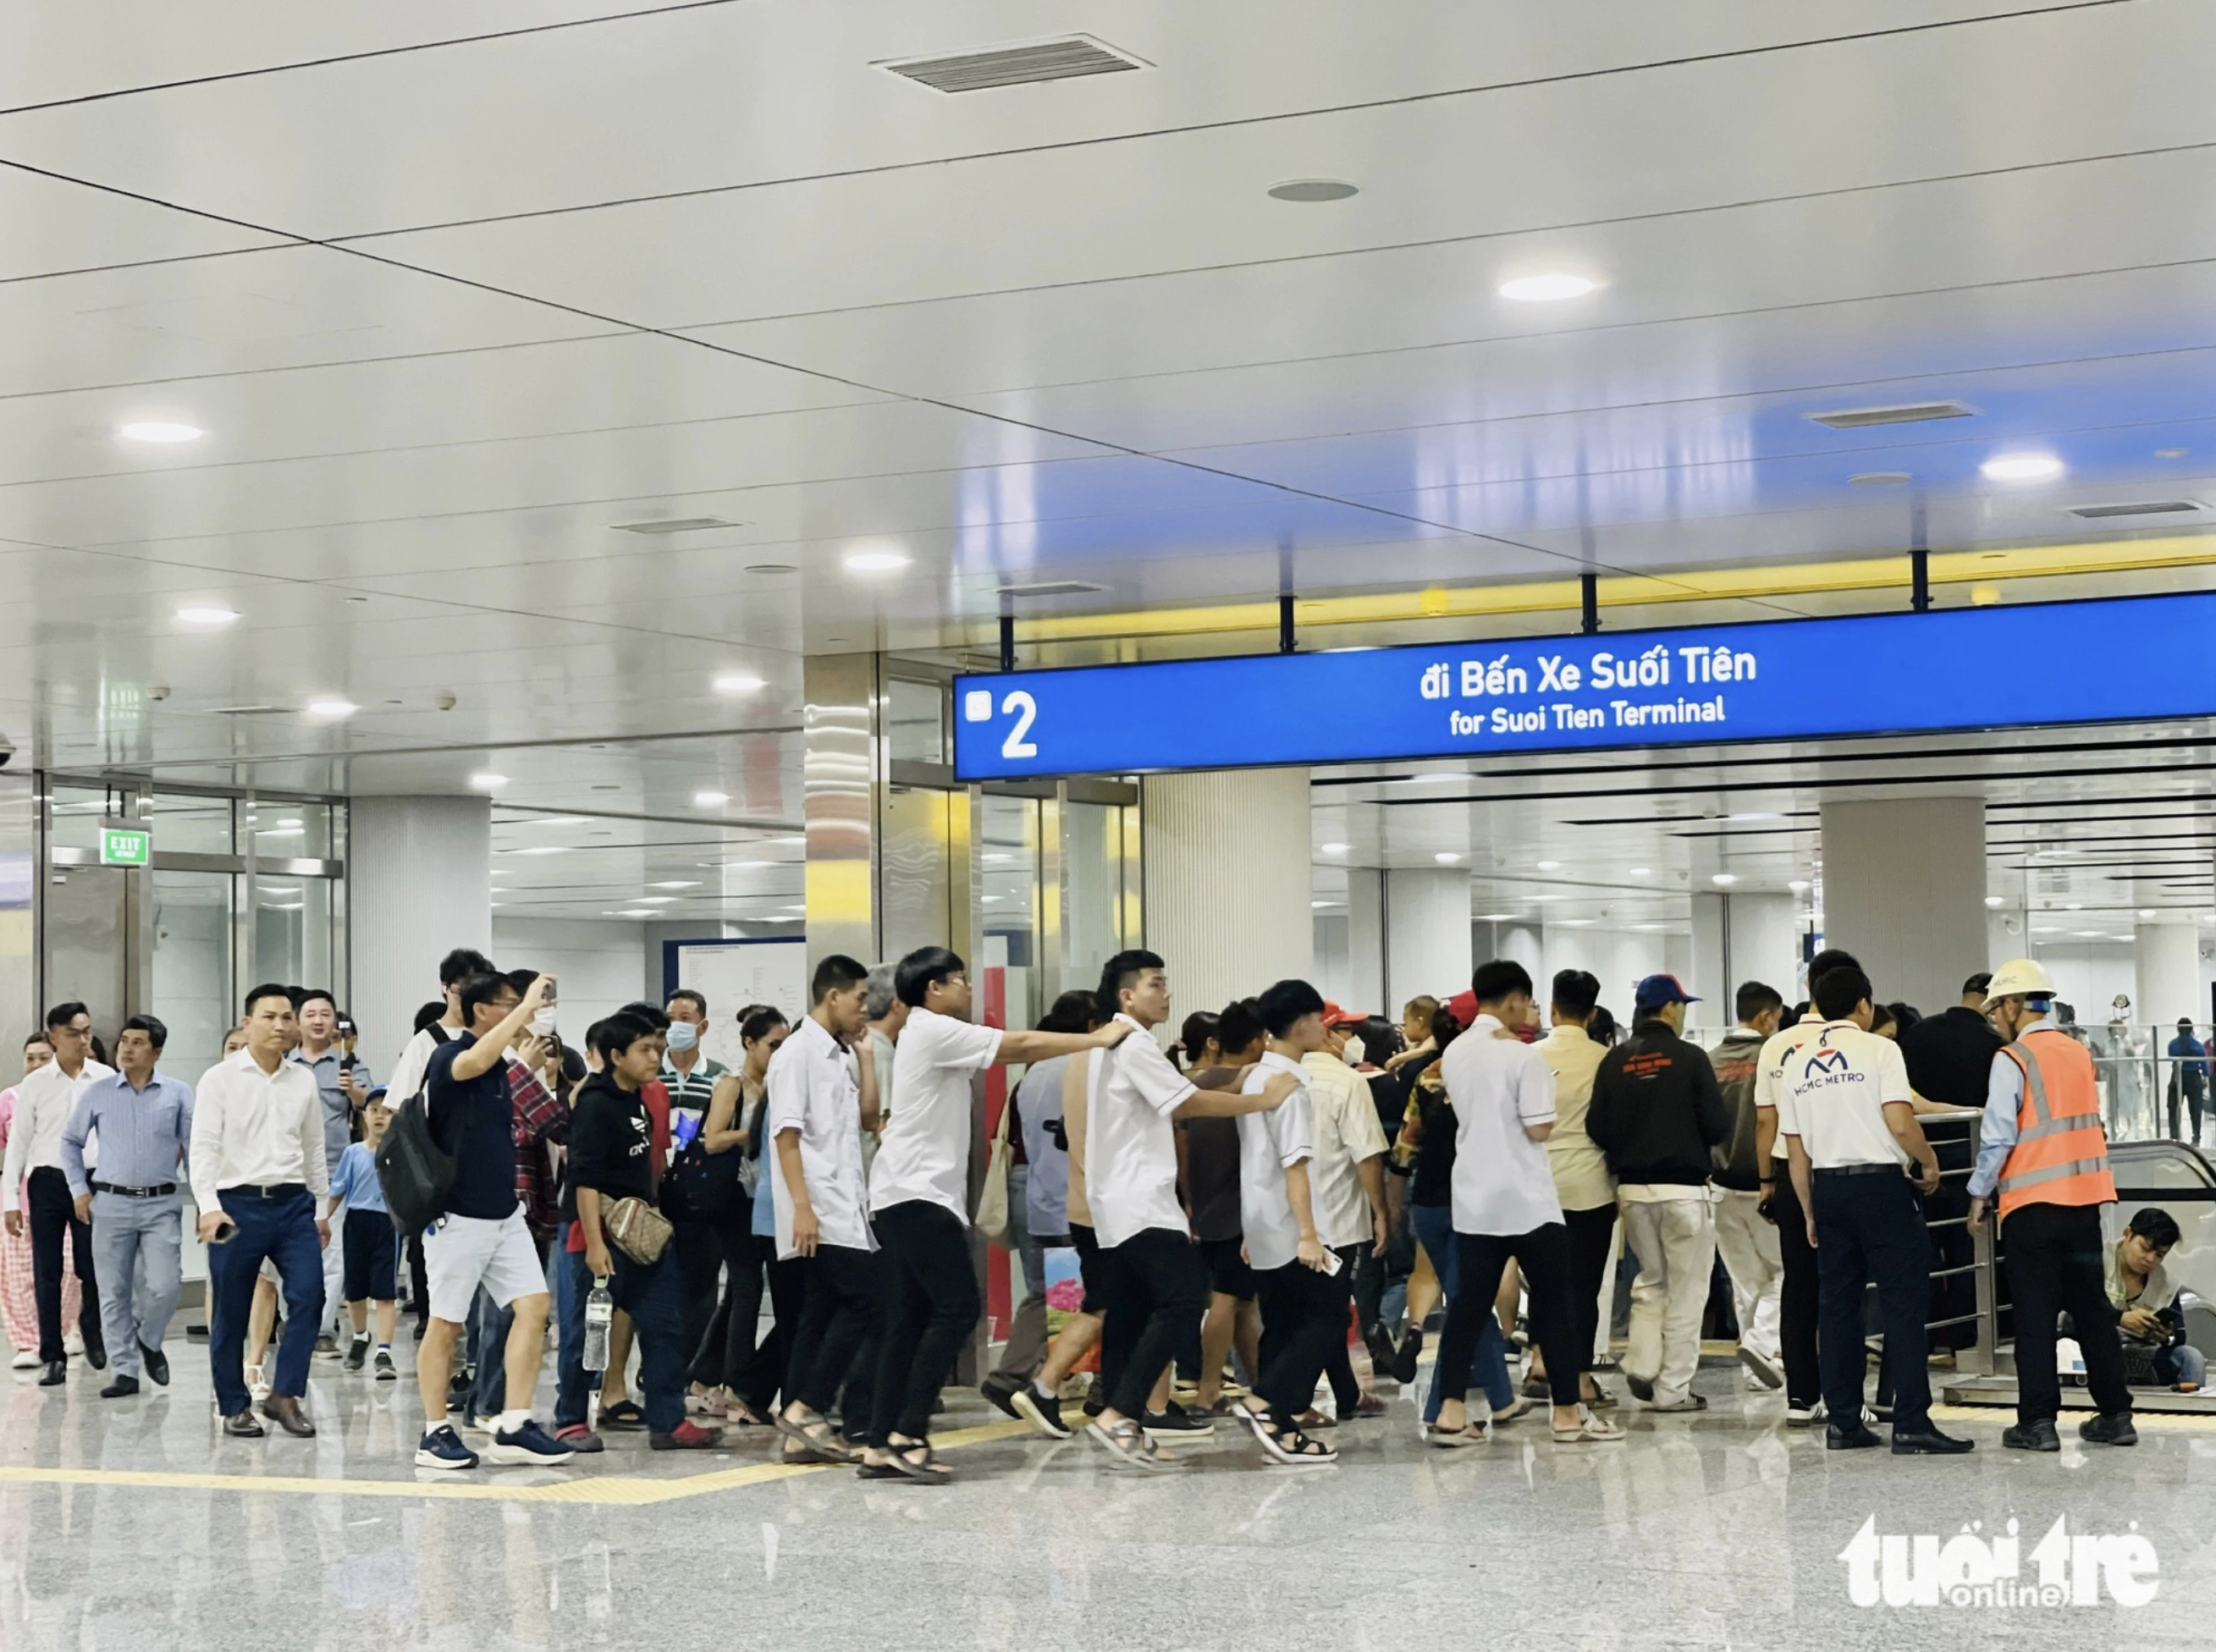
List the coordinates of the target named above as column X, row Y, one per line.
column 19, row 1306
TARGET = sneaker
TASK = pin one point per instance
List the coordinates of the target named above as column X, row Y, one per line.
column 2113, row 1429
column 357, row 1354
column 1042, row 1411
column 529, row 1444
column 1095, row 1399
column 327, row 1345
column 686, row 1436
column 1176, row 1424
column 1760, row 1366
column 472, row 1423
column 1000, row 1390
column 442, row 1448
column 1689, row 1402
column 1404, row 1357
column 1642, row 1388
column 2035, row 1436
column 580, row 1439
column 386, row 1371
column 1804, row 1417
column 27, row 1359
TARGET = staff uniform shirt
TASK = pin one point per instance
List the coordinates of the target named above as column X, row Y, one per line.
column 256, row 1129
column 925, row 1153
column 1998, row 1130
column 143, row 1133
column 1130, row 1148
column 812, row 1089
column 1580, row 1169
column 338, row 1109
column 1046, row 1148
column 1499, row 1085
column 1832, row 1091
column 355, row 1183
column 1346, row 1133
column 1269, row 1144
column 43, row 1101
column 1769, row 1073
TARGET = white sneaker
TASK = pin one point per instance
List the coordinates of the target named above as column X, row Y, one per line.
column 25, row 1359
column 73, row 1344
column 1762, row 1367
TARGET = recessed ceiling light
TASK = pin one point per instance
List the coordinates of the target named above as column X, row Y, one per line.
column 634, row 912
column 1723, row 880
column 207, row 616
column 676, row 524
column 1754, row 817
column 874, row 561
column 1642, row 871
column 736, row 682
column 539, row 849
column 1573, row 922
column 772, row 567
column 1799, row 886
column 331, row 709
column 1446, row 858
column 710, row 799
column 1496, row 918
column 2022, row 467
column 1548, row 866
column 674, row 883
column 656, row 901
column 487, row 781
column 1313, row 189
column 1878, row 478
column 160, row 433
column 2146, row 912
column 1334, row 849
column 1547, row 289
column 1995, row 901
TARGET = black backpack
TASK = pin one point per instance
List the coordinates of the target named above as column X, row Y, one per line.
column 414, row 1171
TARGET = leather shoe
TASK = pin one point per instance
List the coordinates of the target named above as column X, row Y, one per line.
column 157, row 1364
column 2037, row 1436
column 1930, row 1443
column 97, row 1356
column 241, row 1426
column 55, row 1374
column 284, row 1410
column 1850, row 1437
column 117, row 1386
column 2110, row 1428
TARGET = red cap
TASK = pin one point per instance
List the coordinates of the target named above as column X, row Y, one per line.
column 1462, row 1006
column 1335, row 1016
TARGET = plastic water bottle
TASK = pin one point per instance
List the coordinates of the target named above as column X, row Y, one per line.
column 600, row 1311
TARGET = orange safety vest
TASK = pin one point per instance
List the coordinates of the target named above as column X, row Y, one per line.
column 2061, row 1153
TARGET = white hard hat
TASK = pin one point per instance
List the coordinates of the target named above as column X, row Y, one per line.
column 2019, row 977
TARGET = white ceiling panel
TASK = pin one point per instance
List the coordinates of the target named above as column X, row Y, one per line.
column 81, row 228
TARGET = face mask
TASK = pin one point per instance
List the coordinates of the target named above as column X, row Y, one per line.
column 683, row 1036
column 542, row 1025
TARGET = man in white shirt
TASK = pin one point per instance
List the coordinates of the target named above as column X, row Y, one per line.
column 1303, row 1291
column 43, row 1101
column 258, row 1177
column 1156, row 1285
column 1858, row 1159
column 1347, row 1181
column 1504, row 1204
column 919, row 1200
column 817, row 1107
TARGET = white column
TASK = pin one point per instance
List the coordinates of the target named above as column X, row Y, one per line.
column 419, row 884
column 2166, row 972
column 1523, row 943
column 1765, row 946
column 1905, row 893
column 1428, row 933
column 1226, row 865
column 1365, row 941
column 1710, row 940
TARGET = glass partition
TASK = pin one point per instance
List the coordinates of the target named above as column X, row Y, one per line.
column 192, row 987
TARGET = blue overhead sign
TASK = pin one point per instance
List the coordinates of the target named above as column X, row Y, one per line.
column 2100, row 661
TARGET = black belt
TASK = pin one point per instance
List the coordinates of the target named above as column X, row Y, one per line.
column 266, row 1190
column 162, row 1191
column 1861, row 1170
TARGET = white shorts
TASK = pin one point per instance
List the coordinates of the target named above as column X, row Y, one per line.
column 461, row 1253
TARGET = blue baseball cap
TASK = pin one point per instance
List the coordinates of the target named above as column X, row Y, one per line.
column 1656, row 991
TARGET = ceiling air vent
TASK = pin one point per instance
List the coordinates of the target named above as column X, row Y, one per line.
column 1066, row 58
column 2148, row 507
column 1051, row 588
column 677, row 524
column 1916, row 414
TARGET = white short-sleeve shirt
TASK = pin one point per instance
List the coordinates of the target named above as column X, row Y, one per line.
column 1130, row 1146
column 1269, row 1144
column 924, row 1153
column 1832, row 1091
column 812, row 1088
column 1346, row 1133
column 1503, row 1181
column 1770, row 1067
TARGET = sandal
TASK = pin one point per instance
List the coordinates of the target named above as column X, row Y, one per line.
column 1589, row 1427
column 624, row 1414
column 1312, row 1418
column 1291, row 1447
column 1220, row 1408
column 816, row 1441
column 743, row 1415
column 1521, row 1408
column 871, row 1471
column 1365, row 1408
column 1453, row 1438
column 930, row 1471
column 1126, row 1440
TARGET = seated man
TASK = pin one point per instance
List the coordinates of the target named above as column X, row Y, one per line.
column 2146, row 1300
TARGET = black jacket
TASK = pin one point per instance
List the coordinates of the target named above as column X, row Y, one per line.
column 1657, row 1109
column 1950, row 1056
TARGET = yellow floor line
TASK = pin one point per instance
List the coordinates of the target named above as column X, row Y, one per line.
column 620, row 1489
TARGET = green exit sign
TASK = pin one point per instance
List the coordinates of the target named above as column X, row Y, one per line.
column 125, row 846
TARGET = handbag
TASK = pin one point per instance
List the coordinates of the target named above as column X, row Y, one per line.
column 706, row 1187
column 993, row 1214
column 636, row 1229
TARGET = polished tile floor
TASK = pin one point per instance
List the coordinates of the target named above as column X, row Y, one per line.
column 130, row 1524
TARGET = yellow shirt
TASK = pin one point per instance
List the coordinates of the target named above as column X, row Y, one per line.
column 1581, row 1178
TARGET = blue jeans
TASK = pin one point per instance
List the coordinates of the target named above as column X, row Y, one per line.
column 1488, row 1366
column 654, row 1297
column 282, row 1228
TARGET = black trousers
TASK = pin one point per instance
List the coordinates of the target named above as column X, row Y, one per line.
column 2056, row 1265
column 727, row 1341
column 1544, row 1255
column 841, row 1295
column 927, row 1307
column 1303, row 1323
column 1798, row 1296
column 1156, row 1289
column 419, row 1285
column 699, row 1262
column 1869, row 1231
column 1592, row 1235
column 1338, row 1363
column 53, row 1215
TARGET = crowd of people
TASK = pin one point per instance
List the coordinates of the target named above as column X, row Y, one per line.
column 1282, row 1172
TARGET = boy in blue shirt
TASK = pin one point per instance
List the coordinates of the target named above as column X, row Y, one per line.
column 370, row 1248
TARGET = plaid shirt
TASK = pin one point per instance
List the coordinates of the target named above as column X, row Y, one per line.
column 541, row 1122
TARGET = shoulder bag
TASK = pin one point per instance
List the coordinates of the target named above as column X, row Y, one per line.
column 993, row 1214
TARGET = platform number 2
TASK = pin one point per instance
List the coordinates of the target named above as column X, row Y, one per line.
column 977, row 707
